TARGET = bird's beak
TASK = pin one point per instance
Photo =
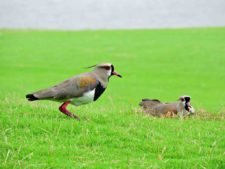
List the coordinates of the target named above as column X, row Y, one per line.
column 116, row 74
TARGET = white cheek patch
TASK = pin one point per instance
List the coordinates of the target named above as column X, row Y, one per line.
column 109, row 72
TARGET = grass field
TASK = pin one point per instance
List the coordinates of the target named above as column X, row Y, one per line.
column 113, row 133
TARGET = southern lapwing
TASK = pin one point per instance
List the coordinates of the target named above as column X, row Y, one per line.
column 156, row 108
column 78, row 90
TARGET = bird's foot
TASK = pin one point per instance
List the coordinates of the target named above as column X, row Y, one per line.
column 75, row 117
column 63, row 109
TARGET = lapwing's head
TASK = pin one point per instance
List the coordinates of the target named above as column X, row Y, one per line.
column 186, row 100
column 106, row 69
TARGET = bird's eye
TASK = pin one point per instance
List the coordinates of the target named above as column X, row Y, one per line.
column 106, row 67
column 182, row 99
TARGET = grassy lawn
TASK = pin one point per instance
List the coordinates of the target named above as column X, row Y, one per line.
column 113, row 133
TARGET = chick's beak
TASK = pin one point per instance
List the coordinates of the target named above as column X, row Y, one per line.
column 116, row 74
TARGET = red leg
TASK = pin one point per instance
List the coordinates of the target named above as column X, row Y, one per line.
column 63, row 109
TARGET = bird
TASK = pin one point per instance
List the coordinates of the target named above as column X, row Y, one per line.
column 156, row 108
column 78, row 90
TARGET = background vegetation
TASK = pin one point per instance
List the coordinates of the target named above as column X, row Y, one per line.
column 113, row 133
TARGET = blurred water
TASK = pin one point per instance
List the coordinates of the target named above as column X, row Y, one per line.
column 110, row 14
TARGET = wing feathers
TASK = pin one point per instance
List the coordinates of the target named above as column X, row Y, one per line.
column 73, row 87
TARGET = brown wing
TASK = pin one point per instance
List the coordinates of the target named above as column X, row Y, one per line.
column 73, row 87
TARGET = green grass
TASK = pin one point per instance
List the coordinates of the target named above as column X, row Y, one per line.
column 113, row 133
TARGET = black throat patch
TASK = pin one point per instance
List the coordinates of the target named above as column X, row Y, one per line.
column 98, row 91
column 187, row 107
column 112, row 69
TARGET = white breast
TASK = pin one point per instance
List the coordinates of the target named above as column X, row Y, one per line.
column 86, row 98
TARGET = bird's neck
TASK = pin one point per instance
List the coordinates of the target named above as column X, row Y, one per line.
column 102, row 77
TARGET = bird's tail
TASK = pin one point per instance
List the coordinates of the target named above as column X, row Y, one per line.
column 31, row 97
column 44, row 94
